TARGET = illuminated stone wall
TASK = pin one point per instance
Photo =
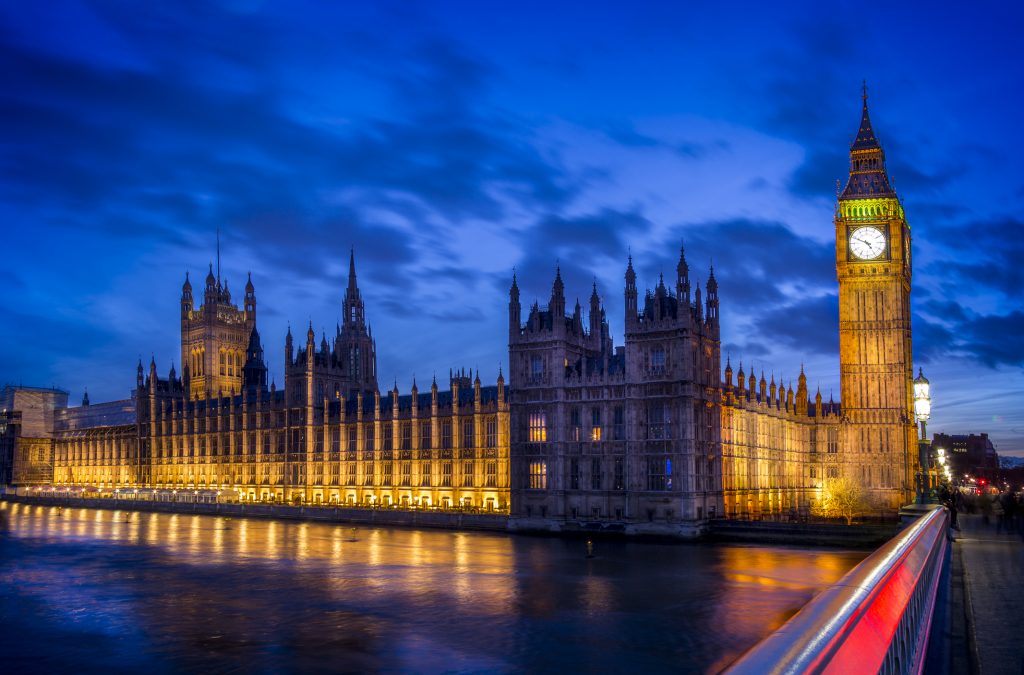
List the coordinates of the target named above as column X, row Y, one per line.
column 445, row 448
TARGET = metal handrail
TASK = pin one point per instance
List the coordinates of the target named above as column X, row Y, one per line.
column 875, row 619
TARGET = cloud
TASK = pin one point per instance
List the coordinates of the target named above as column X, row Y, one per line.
column 758, row 264
column 982, row 254
column 808, row 326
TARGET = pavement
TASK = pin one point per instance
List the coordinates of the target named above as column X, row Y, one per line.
column 992, row 564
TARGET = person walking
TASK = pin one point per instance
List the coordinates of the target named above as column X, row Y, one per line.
column 999, row 513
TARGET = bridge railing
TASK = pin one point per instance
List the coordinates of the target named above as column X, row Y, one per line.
column 877, row 618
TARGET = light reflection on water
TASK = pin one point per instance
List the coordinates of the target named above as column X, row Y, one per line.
column 95, row 589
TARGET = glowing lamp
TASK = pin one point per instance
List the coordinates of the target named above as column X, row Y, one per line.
column 922, row 397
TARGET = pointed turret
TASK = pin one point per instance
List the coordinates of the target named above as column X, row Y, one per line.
column 254, row 373
column 187, row 304
column 515, row 309
column 683, row 277
column 712, row 288
column 557, row 305
column 250, row 301
column 801, row 393
column 211, row 293
column 868, row 177
column 631, row 294
column 595, row 312
column 352, row 307
column 85, row 398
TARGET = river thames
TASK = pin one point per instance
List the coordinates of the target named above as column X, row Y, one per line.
column 88, row 590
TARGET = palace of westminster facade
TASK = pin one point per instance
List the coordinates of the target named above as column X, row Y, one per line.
column 649, row 435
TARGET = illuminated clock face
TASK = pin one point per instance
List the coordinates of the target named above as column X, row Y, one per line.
column 867, row 243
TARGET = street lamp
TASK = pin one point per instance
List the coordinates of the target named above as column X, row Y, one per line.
column 922, row 410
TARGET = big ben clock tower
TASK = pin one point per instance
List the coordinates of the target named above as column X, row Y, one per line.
column 873, row 267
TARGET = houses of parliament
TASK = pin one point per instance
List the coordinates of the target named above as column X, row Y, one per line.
column 652, row 436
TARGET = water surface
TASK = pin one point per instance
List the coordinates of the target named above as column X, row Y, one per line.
column 89, row 590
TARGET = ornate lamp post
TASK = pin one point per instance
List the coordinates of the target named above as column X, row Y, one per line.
column 922, row 410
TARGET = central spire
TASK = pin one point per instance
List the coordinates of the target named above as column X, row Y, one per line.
column 868, row 177
column 352, row 268
column 865, row 134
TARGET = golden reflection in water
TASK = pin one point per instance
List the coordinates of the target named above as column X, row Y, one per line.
column 764, row 586
column 463, row 587
column 219, row 525
column 271, row 546
column 170, row 532
column 152, row 529
column 473, row 570
column 597, row 592
column 243, row 538
column 302, row 549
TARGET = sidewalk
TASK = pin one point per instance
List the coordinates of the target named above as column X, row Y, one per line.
column 993, row 569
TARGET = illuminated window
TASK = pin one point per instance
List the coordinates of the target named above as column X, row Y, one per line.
column 595, row 424
column 491, row 433
column 538, row 427
column 425, row 439
column 538, row 475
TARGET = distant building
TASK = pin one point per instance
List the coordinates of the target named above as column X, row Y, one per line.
column 27, row 428
column 968, row 454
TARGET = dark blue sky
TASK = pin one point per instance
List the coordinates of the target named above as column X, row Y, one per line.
column 450, row 142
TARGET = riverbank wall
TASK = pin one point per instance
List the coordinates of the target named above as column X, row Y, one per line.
column 448, row 520
column 862, row 535
column 735, row 531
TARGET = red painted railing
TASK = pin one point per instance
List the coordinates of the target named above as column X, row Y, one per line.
column 876, row 619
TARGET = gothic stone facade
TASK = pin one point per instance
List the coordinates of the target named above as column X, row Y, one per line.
column 644, row 437
column 628, row 435
column 329, row 437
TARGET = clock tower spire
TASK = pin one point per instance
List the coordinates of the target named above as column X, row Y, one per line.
column 873, row 267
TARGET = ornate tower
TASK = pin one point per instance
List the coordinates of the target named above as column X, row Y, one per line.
column 214, row 337
column 354, row 346
column 873, row 268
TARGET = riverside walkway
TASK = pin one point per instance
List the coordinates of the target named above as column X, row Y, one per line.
column 993, row 573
